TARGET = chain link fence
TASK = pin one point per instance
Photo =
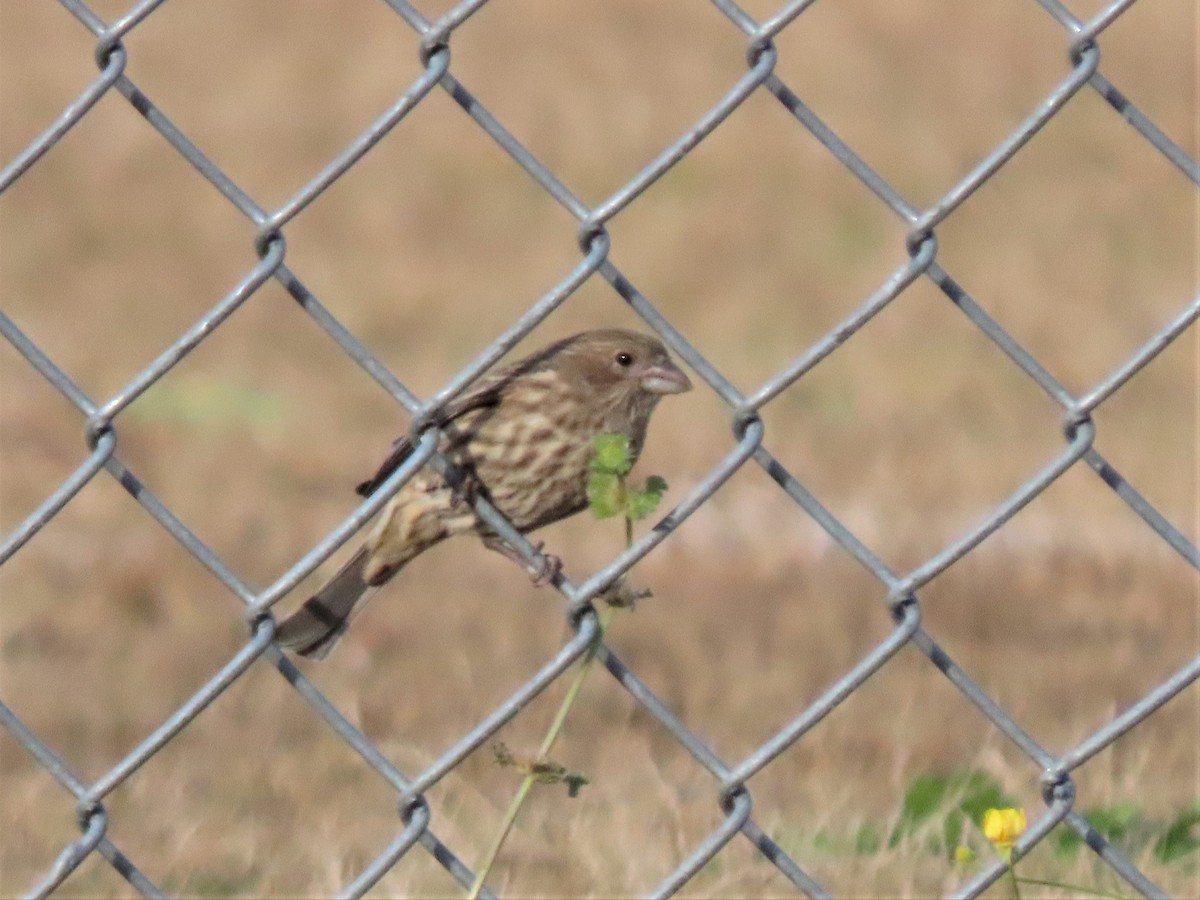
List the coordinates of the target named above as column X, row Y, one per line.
column 417, row 822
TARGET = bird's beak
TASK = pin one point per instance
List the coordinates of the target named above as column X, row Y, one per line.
column 665, row 378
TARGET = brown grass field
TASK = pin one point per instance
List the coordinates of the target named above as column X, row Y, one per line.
column 755, row 246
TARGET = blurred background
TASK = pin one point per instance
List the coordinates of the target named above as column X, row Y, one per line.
column 754, row 246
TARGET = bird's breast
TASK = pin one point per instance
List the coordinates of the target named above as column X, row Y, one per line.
column 531, row 454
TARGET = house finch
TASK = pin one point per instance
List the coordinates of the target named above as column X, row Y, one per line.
column 522, row 438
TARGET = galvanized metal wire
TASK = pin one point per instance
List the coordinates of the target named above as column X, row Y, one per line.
column 900, row 591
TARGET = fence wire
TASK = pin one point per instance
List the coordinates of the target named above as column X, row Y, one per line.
column 416, row 825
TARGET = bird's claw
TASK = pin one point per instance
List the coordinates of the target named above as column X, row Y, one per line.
column 463, row 490
column 546, row 569
column 542, row 571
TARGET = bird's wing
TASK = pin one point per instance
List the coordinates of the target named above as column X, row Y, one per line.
column 485, row 394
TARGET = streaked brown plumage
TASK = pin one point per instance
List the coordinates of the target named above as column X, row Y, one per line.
column 522, row 436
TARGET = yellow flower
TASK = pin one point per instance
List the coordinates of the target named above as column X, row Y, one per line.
column 1003, row 827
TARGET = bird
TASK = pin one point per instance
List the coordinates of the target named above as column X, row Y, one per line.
column 521, row 437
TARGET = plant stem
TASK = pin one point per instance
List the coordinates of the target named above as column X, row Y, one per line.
column 556, row 726
column 1016, row 886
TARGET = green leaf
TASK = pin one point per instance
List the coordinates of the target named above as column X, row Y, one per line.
column 925, row 795
column 1120, row 824
column 574, row 781
column 1066, row 842
column 1114, row 822
column 956, row 797
column 826, row 842
column 623, row 596
column 978, row 792
column 612, row 454
column 605, row 494
column 639, row 504
column 1181, row 838
column 547, row 771
column 867, row 840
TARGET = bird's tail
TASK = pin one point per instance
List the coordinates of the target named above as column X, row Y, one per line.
column 315, row 627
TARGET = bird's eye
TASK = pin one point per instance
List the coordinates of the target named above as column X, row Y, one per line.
column 624, row 360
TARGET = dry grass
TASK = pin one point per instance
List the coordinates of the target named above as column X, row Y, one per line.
column 754, row 246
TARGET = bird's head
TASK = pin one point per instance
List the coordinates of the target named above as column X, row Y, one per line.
column 614, row 360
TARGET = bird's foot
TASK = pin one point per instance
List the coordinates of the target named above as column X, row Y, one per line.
column 547, row 568
column 543, row 571
column 464, row 487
